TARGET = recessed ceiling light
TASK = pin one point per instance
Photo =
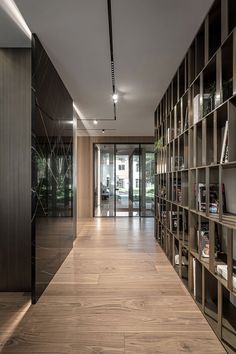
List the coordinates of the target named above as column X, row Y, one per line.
column 115, row 97
column 95, row 122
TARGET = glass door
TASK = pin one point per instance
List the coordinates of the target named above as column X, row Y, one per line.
column 104, row 194
column 127, row 179
column 123, row 180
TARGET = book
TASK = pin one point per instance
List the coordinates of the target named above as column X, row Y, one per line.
column 224, row 149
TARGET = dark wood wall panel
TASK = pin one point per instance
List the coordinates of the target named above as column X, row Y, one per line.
column 15, row 169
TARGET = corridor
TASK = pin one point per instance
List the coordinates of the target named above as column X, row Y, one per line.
column 115, row 293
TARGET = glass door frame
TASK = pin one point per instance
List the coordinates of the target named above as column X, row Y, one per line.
column 115, row 174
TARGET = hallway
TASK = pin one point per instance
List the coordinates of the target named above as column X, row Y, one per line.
column 115, row 293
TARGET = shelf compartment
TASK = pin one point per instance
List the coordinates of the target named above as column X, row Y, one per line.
column 173, row 219
column 191, row 63
column 210, row 142
column 209, row 87
column 197, row 282
column 222, row 118
column 201, row 192
column 185, row 111
column 184, row 265
column 193, row 227
column 232, row 130
column 169, row 99
column 176, row 255
column 184, row 188
column 213, row 192
column 170, row 247
column 191, row 148
column 228, row 193
column 225, row 262
column 231, row 14
column 200, row 49
column 181, row 155
column 199, row 144
column 175, row 89
column 229, row 320
column 211, row 299
column 183, row 230
column 179, row 120
column 203, row 239
column 181, row 75
column 214, row 20
column 196, row 105
column 192, row 190
column 227, row 68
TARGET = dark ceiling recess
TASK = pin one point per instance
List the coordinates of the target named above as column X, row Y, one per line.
column 109, row 14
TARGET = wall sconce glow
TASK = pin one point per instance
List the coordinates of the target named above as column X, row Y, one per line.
column 115, row 97
column 67, row 121
column 95, row 122
column 12, row 10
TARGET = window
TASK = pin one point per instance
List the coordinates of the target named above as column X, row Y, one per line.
column 120, row 183
column 137, row 183
column 121, row 167
column 137, row 167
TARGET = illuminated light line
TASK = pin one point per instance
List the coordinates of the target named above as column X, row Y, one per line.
column 14, row 13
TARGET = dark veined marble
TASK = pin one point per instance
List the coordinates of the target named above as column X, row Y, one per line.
column 52, row 175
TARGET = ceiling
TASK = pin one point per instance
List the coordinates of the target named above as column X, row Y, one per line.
column 150, row 39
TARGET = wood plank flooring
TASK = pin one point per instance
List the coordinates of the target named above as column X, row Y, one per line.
column 115, row 293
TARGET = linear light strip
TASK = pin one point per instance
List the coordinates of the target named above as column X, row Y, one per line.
column 12, row 10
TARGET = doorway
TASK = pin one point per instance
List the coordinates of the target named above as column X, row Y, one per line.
column 123, row 180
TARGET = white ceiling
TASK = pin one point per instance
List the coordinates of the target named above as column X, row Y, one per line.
column 150, row 39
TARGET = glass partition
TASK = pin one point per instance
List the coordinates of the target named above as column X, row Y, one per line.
column 104, row 180
column 127, row 180
column 123, row 180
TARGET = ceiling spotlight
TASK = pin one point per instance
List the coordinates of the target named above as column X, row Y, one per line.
column 103, row 131
column 95, row 122
column 115, row 97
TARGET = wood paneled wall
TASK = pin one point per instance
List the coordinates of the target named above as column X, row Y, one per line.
column 84, row 177
column 15, row 169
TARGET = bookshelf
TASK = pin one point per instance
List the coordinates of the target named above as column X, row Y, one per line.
column 195, row 198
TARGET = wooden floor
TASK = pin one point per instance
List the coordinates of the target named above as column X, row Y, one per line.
column 115, row 293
